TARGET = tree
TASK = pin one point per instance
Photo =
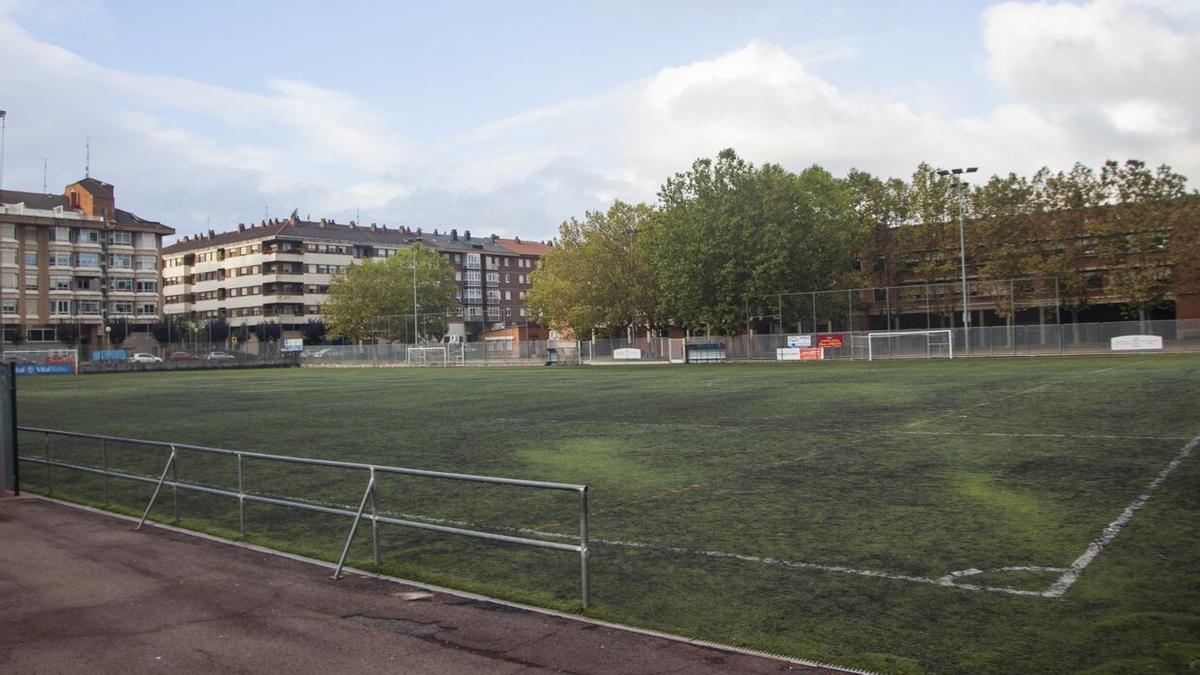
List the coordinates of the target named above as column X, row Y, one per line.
column 1135, row 231
column 730, row 237
column 313, row 331
column 375, row 298
column 598, row 276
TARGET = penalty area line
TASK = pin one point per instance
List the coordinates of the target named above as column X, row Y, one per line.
column 1069, row 577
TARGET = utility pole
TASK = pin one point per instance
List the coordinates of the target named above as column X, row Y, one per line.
column 958, row 185
column 414, row 248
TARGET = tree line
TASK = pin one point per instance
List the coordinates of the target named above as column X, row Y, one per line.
column 726, row 236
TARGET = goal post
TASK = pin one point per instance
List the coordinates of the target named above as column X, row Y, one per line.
column 911, row 344
column 428, row 356
column 62, row 361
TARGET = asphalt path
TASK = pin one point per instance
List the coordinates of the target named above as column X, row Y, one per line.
column 84, row 592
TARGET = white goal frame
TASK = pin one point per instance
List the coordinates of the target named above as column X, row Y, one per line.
column 62, row 356
column 948, row 332
column 427, row 350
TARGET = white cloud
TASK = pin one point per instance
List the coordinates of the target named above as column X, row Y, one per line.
column 1085, row 82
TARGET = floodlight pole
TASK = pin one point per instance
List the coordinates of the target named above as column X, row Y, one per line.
column 3, row 117
column 962, row 247
column 414, row 248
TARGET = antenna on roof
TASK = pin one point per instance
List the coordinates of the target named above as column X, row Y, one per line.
column 87, row 157
column 43, row 175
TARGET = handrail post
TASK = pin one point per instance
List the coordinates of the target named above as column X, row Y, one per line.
column 583, row 547
column 104, row 462
column 241, row 500
column 374, row 518
column 49, row 467
column 175, row 487
column 337, row 573
column 157, row 488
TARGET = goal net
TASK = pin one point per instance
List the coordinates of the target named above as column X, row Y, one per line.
column 43, row 361
column 428, row 356
column 911, row 344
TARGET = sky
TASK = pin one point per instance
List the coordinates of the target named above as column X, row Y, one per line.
column 509, row 118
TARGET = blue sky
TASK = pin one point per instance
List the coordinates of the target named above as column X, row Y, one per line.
column 510, row 117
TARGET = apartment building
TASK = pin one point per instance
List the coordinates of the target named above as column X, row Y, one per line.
column 278, row 272
column 72, row 265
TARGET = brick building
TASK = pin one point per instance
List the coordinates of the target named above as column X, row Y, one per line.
column 278, row 272
column 73, row 264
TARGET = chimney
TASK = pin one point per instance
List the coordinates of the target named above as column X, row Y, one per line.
column 494, row 238
column 374, row 227
column 323, row 223
column 435, row 231
column 211, row 234
column 467, row 235
column 517, row 239
column 418, row 230
column 454, row 234
column 241, row 227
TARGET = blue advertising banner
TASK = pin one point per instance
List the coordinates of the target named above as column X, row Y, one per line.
column 40, row 369
column 109, row 355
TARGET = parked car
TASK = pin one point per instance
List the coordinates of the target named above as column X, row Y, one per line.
column 220, row 356
column 142, row 357
column 182, row 356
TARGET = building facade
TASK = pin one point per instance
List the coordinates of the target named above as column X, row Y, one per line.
column 278, row 272
column 74, row 266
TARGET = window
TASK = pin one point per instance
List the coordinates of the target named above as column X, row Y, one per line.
column 31, row 259
column 9, row 306
column 8, row 230
column 89, row 237
column 508, row 278
column 8, row 256
column 508, row 311
column 493, row 294
column 473, row 277
column 493, row 278
column 60, row 233
column 508, row 262
column 147, row 240
column 120, row 261
column 473, row 294
column 87, row 259
column 121, row 284
column 522, row 312
column 31, row 282
column 120, row 238
column 145, row 263
column 473, row 261
column 89, row 307
column 60, row 283
column 59, row 259
column 10, row 281
column 146, row 286
column 60, row 307
column 122, row 307
column 508, row 295
column 41, row 335
column 147, row 309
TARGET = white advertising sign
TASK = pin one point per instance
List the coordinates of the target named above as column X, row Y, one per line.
column 1132, row 342
column 799, row 340
column 787, row 354
column 627, row 354
column 293, row 344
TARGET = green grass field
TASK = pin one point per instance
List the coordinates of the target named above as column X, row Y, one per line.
column 894, row 516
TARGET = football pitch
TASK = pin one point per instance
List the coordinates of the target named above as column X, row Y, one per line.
column 990, row 515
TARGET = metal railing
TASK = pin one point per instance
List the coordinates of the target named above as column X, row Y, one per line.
column 370, row 495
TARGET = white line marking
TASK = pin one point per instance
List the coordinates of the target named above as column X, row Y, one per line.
column 1059, row 587
column 1033, row 435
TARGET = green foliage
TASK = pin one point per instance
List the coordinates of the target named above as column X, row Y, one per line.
column 370, row 299
column 730, row 236
column 598, row 277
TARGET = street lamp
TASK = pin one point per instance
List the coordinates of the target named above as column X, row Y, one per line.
column 957, row 185
column 3, row 116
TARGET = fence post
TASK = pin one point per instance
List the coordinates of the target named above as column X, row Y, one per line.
column 157, row 488
column 362, row 506
column 10, row 470
column 583, row 547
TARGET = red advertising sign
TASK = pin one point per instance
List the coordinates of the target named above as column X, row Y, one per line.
column 811, row 353
column 833, row 340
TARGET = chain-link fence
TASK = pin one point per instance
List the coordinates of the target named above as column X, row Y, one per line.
column 1082, row 338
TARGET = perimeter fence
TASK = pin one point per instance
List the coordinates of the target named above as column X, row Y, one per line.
column 1025, row 340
